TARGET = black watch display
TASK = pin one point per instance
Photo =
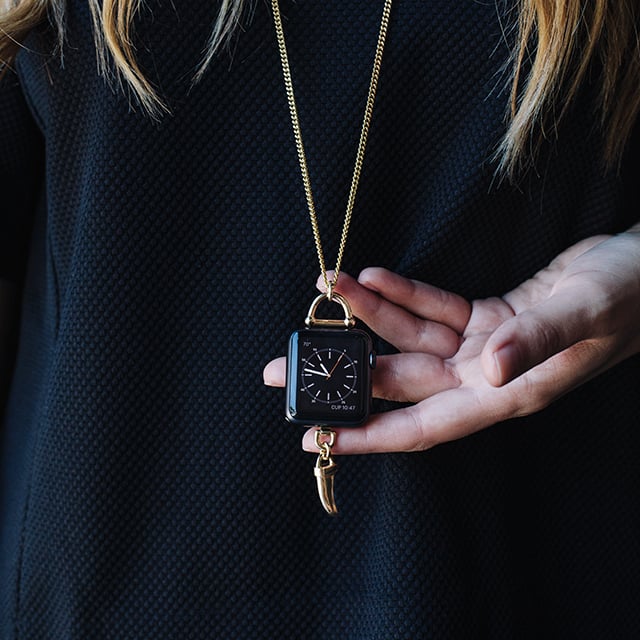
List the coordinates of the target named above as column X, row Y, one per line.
column 329, row 377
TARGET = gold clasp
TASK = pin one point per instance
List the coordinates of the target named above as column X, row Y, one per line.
column 330, row 287
column 347, row 322
column 325, row 439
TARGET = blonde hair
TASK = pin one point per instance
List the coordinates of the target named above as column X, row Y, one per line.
column 558, row 42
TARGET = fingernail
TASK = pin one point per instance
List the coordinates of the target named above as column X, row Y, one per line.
column 505, row 360
column 268, row 379
column 308, row 442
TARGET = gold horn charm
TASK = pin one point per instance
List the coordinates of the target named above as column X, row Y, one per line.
column 326, row 469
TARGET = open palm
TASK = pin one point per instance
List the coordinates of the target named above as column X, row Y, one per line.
column 467, row 365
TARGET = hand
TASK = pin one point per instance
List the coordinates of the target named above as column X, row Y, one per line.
column 335, row 366
column 317, row 373
column 466, row 366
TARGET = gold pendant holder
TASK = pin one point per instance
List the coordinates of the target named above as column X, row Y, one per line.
column 348, row 322
column 326, row 469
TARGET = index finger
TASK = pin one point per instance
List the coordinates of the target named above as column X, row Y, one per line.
column 421, row 299
column 397, row 325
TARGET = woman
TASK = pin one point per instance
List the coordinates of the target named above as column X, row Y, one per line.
column 159, row 239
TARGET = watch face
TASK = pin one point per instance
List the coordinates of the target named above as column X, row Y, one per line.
column 328, row 377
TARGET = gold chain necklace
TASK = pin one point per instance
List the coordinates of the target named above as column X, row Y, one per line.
column 329, row 363
column 364, row 133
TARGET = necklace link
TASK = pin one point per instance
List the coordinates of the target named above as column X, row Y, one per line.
column 364, row 134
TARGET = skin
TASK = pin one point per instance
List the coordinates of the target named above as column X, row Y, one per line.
column 467, row 365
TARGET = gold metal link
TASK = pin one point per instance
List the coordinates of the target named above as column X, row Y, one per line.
column 325, row 469
column 364, row 133
column 325, row 439
column 348, row 322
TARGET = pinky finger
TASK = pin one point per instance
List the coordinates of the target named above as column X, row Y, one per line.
column 446, row 416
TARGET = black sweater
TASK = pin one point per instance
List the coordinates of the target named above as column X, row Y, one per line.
column 150, row 486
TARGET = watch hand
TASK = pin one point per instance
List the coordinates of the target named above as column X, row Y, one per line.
column 318, row 373
column 335, row 365
column 324, row 369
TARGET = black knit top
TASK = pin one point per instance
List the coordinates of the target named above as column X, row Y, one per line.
column 150, row 486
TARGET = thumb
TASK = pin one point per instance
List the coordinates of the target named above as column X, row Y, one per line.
column 530, row 337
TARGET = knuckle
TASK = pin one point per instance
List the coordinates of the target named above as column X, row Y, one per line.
column 394, row 381
column 547, row 334
column 424, row 437
column 389, row 379
column 530, row 398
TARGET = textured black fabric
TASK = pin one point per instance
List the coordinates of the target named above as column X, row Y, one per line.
column 21, row 162
column 150, row 485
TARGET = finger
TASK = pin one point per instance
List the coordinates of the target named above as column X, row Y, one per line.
column 390, row 321
column 275, row 372
column 533, row 336
column 459, row 412
column 421, row 299
column 411, row 377
column 446, row 416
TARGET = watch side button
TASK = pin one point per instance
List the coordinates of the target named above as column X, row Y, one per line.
column 372, row 359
